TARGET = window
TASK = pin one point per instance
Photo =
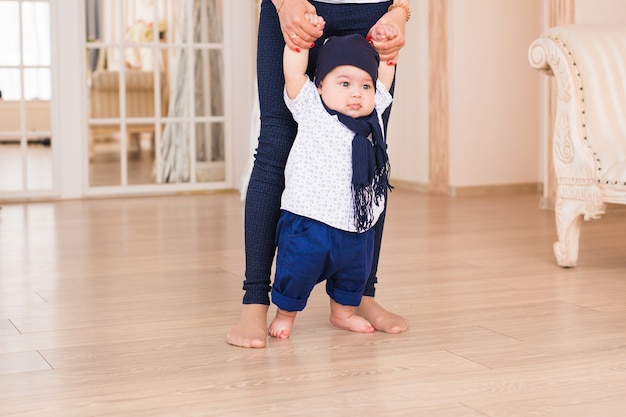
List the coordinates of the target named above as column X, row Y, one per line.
column 156, row 93
column 33, row 57
column 25, row 97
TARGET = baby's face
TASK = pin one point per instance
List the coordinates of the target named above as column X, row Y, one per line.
column 348, row 90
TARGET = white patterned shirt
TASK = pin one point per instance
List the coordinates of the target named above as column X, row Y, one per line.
column 318, row 174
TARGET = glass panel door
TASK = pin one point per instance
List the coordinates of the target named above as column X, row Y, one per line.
column 155, row 94
column 25, row 97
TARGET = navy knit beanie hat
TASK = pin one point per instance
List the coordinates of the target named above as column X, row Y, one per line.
column 347, row 50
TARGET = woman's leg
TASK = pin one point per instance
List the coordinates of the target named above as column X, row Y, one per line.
column 267, row 181
column 344, row 317
column 262, row 207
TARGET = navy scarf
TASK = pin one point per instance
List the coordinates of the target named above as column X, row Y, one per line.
column 370, row 166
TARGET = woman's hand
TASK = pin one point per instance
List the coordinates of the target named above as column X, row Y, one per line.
column 387, row 35
column 298, row 30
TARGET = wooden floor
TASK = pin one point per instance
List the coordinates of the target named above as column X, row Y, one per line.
column 120, row 307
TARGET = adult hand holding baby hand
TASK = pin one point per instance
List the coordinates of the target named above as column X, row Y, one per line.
column 299, row 23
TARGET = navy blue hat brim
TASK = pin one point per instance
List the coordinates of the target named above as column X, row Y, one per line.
column 347, row 50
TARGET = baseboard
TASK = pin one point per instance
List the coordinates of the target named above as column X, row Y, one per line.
column 410, row 186
column 473, row 191
column 500, row 189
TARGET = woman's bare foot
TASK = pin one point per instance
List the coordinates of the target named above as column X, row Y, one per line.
column 282, row 324
column 343, row 317
column 381, row 319
column 251, row 331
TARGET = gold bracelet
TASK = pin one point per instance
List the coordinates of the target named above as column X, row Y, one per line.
column 280, row 7
column 404, row 7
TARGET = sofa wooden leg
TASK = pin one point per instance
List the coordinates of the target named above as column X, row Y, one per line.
column 569, row 220
column 570, row 214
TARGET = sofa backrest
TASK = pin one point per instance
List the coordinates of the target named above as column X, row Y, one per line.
column 599, row 55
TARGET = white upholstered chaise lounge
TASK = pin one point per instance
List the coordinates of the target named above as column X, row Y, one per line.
column 589, row 138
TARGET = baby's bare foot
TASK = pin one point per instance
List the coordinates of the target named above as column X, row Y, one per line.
column 282, row 324
column 250, row 332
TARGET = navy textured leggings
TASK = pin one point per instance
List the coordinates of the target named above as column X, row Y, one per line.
column 278, row 130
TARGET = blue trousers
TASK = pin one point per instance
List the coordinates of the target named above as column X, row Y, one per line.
column 277, row 133
column 310, row 252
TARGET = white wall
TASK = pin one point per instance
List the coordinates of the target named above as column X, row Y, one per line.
column 408, row 125
column 600, row 11
column 496, row 98
column 493, row 96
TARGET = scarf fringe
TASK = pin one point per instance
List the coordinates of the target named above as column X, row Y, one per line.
column 362, row 198
column 365, row 196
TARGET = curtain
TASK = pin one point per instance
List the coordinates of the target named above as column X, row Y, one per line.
column 207, row 96
column 93, row 10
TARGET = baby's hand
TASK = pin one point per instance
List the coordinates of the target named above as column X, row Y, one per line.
column 315, row 20
column 382, row 33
